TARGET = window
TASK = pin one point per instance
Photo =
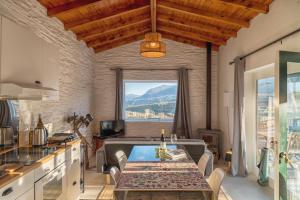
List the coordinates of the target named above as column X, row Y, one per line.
column 265, row 118
column 149, row 100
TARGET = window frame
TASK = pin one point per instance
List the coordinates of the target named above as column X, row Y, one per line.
column 146, row 120
column 256, row 119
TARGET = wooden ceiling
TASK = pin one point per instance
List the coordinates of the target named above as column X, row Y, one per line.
column 105, row 24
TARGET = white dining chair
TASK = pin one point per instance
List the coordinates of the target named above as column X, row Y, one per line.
column 215, row 181
column 115, row 174
column 122, row 159
column 203, row 161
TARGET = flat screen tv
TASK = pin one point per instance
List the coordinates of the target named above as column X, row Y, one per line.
column 112, row 128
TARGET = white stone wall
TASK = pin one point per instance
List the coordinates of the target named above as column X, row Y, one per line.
column 178, row 55
column 76, row 66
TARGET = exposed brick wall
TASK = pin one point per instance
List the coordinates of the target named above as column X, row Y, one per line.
column 178, row 55
column 76, row 65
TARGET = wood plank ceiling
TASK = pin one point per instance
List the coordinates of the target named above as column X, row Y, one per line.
column 105, row 24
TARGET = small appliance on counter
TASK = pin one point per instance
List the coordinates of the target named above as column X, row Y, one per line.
column 6, row 136
column 60, row 138
column 40, row 134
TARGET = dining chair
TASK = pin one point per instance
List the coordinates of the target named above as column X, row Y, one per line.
column 215, row 181
column 122, row 159
column 115, row 174
column 203, row 161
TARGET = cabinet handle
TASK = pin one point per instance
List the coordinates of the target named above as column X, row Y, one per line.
column 7, row 191
column 74, row 149
column 74, row 183
column 47, row 170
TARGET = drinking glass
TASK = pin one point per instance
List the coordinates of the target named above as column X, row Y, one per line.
column 173, row 138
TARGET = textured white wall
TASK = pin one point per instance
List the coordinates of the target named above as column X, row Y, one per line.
column 76, row 65
column 178, row 55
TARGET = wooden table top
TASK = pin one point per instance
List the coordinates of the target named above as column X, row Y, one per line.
column 178, row 175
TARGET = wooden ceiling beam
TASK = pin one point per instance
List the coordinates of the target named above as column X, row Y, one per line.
column 248, row 4
column 225, row 33
column 128, row 10
column 184, row 40
column 69, row 6
column 203, row 14
column 105, row 39
column 92, row 34
column 191, row 35
column 118, row 43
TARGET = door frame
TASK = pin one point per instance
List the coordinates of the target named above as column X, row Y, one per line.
column 283, row 57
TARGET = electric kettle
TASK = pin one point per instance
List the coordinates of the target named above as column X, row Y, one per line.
column 40, row 134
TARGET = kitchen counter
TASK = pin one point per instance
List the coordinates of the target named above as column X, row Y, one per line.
column 26, row 169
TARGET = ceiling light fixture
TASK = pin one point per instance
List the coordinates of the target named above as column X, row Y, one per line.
column 152, row 46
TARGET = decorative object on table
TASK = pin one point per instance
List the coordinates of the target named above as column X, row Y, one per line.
column 79, row 122
column 176, row 154
column 162, row 153
column 263, row 178
column 212, row 138
column 40, row 134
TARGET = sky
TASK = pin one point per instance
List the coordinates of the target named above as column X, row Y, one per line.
column 139, row 88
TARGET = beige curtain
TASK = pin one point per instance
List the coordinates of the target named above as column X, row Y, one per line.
column 182, row 119
column 119, row 95
column 239, row 166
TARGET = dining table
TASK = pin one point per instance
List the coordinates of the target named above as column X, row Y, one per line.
column 147, row 176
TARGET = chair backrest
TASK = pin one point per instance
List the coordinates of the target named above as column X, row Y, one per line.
column 215, row 181
column 115, row 174
column 203, row 161
column 122, row 159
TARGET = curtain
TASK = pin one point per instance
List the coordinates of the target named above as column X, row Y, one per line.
column 182, row 119
column 239, row 166
column 119, row 94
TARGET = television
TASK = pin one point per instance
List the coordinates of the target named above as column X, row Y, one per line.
column 112, row 128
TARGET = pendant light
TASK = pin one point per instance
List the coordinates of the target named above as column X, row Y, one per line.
column 152, row 46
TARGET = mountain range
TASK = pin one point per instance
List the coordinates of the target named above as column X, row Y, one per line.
column 157, row 94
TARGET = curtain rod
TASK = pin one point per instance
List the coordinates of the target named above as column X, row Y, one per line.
column 147, row 69
column 269, row 44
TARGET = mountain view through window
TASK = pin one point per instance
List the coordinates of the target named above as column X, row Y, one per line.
column 150, row 100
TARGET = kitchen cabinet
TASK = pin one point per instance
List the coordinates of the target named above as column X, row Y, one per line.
column 29, row 195
column 18, row 187
column 73, row 172
column 26, row 58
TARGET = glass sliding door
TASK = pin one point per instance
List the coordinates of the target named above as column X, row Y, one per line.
column 289, row 118
column 265, row 120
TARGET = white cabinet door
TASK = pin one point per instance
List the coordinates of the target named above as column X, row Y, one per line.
column 26, row 58
column 17, row 187
column 50, row 70
column 21, row 55
column 29, row 195
column 73, row 175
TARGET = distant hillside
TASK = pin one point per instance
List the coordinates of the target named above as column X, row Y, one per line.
column 163, row 90
column 131, row 96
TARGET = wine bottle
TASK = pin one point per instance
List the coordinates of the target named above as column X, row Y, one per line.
column 162, row 139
